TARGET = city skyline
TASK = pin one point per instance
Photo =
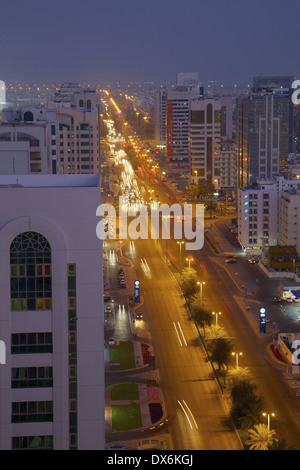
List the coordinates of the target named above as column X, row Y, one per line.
column 147, row 42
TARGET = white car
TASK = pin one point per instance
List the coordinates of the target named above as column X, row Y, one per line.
column 111, row 341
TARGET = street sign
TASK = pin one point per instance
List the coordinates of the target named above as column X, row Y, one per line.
column 137, row 291
column 262, row 320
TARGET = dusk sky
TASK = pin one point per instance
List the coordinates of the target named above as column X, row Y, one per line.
column 118, row 40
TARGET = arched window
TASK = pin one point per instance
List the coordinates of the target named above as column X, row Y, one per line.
column 30, row 272
column 28, row 116
column 80, row 103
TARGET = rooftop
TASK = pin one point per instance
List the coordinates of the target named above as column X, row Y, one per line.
column 48, row 181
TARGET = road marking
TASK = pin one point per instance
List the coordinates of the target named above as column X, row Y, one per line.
column 180, row 329
column 191, row 414
column 186, row 414
column 182, row 333
column 191, row 426
column 177, row 334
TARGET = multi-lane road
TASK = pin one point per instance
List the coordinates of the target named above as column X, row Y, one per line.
column 199, row 413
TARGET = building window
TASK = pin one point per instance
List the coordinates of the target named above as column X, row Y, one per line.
column 30, row 343
column 32, row 442
column 32, row 411
column 29, row 377
column 30, row 272
column 72, row 328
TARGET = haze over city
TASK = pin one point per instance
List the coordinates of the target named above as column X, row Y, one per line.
column 149, row 228
column 147, row 41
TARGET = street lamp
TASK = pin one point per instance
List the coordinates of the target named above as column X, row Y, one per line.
column 201, row 288
column 237, row 358
column 216, row 313
column 180, row 244
column 166, row 217
column 189, row 260
column 269, row 418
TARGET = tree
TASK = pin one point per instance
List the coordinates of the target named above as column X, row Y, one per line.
column 251, row 414
column 243, row 392
column 204, row 189
column 215, row 331
column 280, row 444
column 189, row 285
column 238, row 374
column 260, row 438
column 200, row 315
column 211, row 206
column 221, row 350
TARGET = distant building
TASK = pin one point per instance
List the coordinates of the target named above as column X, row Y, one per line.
column 208, row 158
column 51, row 314
column 63, row 137
column 259, row 223
column 264, row 130
column 2, row 93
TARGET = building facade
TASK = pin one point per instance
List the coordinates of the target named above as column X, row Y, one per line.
column 51, row 314
column 264, row 130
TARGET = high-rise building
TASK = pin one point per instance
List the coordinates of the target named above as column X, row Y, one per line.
column 51, row 313
column 160, row 120
column 264, row 130
column 187, row 88
column 209, row 120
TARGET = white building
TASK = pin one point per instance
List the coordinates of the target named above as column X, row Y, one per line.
column 2, row 93
column 258, row 212
column 204, row 140
column 51, row 313
column 289, row 218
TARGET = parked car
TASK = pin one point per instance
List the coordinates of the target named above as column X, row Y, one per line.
column 252, row 260
column 111, row 341
column 116, row 447
column 231, row 260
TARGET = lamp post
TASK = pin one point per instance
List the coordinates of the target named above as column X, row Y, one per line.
column 180, row 244
column 269, row 418
column 189, row 260
column 237, row 358
column 216, row 313
column 196, row 173
column 166, row 217
column 201, row 289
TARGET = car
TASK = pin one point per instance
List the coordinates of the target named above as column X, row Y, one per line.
column 139, row 316
column 252, row 261
column 289, row 300
column 116, row 447
column 296, row 299
column 298, row 319
column 231, row 260
column 108, row 310
column 123, row 285
column 107, row 298
column 111, row 341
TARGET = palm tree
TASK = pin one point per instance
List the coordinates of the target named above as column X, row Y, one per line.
column 200, row 315
column 251, row 414
column 260, row 438
column 238, row 374
column 281, row 444
column 221, row 350
column 189, row 285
